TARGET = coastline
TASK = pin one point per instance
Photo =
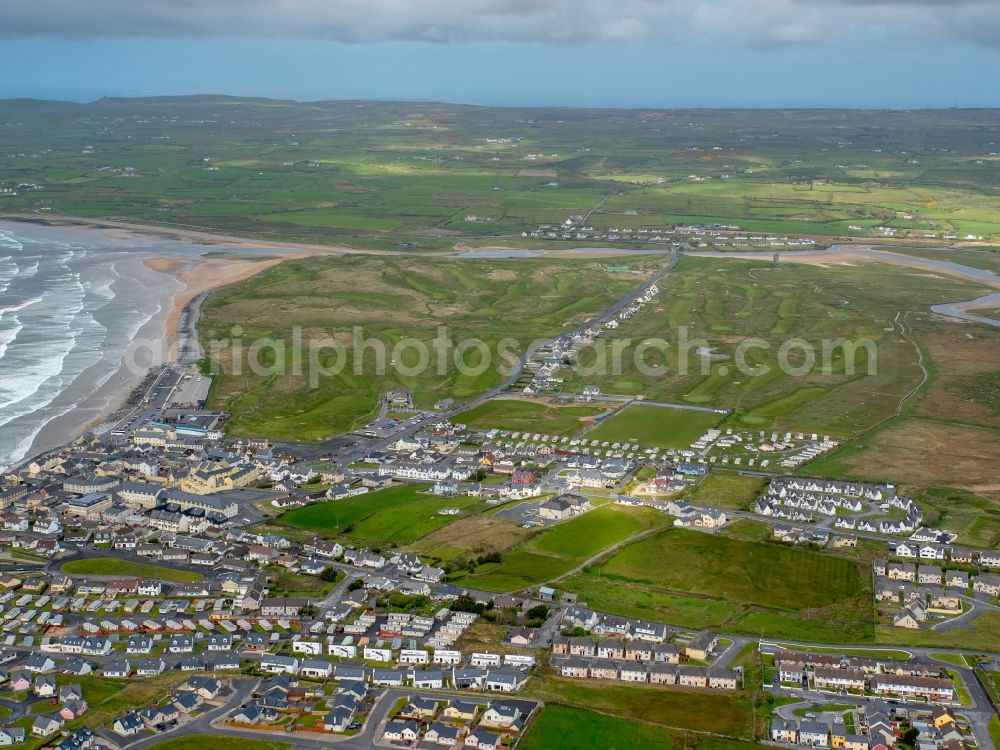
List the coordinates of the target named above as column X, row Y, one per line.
column 200, row 276
column 176, row 282
column 190, row 235
column 181, row 280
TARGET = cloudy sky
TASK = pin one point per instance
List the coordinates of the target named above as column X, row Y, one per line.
column 872, row 53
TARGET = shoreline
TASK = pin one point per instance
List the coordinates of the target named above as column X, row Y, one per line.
column 193, row 276
column 199, row 277
column 461, row 248
column 201, row 237
column 179, row 282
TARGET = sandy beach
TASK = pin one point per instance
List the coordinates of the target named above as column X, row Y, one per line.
column 114, row 303
column 200, row 275
column 190, row 235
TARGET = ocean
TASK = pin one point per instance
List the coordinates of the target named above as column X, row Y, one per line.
column 73, row 303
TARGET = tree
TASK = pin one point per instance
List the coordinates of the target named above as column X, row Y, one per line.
column 539, row 612
column 356, row 584
column 465, row 603
column 330, row 574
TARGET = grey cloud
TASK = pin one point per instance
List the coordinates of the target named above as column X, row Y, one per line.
column 756, row 22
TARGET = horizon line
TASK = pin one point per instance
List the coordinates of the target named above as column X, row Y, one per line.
column 472, row 104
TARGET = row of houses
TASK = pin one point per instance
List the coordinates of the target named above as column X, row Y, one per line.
column 874, row 727
column 861, row 675
column 654, row 674
column 497, row 679
column 885, row 573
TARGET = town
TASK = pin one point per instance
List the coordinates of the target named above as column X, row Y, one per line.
column 145, row 553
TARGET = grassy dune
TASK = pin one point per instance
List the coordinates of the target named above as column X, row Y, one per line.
column 382, row 311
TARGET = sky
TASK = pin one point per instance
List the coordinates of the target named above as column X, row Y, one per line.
column 627, row 53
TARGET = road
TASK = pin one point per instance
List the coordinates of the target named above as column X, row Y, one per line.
column 979, row 712
column 337, row 591
column 368, row 737
column 381, row 443
column 242, row 690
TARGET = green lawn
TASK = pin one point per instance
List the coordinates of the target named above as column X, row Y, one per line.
column 724, row 302
column 957, row 660
column 560, row 548
column 721, row 713
column 982, row 633
column 109, row 699
column 399, row 514
column 284, row 582
column 826, row 708
column 655, row 426
column 564, row 728
column 722, row 489
column 872, row 653
column 113, row 566
column 694, row 579
column 530, row 416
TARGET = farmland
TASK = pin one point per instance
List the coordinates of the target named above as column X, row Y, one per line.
column 699, row 580
column 359, row 325
column 557, row 550
column 531, row 416
column 398, row 514
column 113, row 566
column 655, row 426
column 432, row 176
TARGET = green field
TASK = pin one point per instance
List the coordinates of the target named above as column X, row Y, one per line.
column 726, row 490
column 873, row 653
column 530, row 416
column 724, row 714
column 562, row 547
column 563, row 728
column 981, row 633
column 655, row 426
column 320, row 340
column 420, row 180
column 399, row 514
column 435, row 175
column 699, row 580
column 113, row 566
